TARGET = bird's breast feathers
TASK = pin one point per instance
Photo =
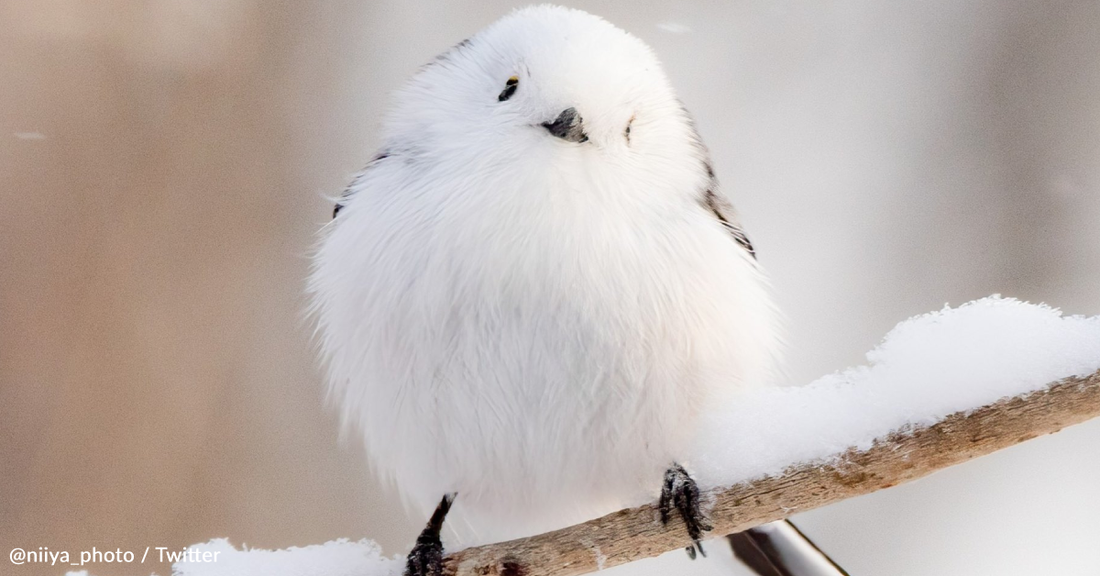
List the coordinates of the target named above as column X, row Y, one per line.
column 526, row 322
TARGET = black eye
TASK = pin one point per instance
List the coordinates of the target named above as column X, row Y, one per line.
column 509, row 89
column 627, row 131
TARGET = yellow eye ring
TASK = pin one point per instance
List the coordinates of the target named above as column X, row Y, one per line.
column 509, row 88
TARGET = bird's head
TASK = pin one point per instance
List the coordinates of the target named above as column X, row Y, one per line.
column 546, row 78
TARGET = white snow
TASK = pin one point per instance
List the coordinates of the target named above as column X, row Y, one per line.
column 926, row 368
column 337, row 558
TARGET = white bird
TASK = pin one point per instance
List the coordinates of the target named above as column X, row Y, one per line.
column 533, row 289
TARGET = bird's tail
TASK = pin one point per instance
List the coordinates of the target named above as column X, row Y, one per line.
column 780, row 549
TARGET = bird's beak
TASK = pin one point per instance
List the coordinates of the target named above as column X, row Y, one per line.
column 568, row 126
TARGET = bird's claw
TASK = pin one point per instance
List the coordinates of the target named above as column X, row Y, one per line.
column 426, row 557
column 681, row 492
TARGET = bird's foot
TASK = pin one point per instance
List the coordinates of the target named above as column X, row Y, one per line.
column 426, row 557
column 681, row 493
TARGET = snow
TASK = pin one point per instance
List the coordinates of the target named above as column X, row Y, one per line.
column 337, row 558
column 928, row 367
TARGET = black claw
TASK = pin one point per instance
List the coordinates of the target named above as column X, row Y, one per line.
column 426, row 557
column 681, row 492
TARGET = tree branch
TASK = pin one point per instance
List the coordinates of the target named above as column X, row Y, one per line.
column 636, row 533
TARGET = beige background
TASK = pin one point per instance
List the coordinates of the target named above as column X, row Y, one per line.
column 163, row 166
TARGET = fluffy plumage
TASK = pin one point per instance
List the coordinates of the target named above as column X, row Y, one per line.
column 532, row 322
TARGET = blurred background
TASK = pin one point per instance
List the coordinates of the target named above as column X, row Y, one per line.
column 165, row 165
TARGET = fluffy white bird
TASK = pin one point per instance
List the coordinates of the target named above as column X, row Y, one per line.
column 534, row 288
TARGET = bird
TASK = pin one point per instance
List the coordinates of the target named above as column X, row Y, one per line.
column 534, row 288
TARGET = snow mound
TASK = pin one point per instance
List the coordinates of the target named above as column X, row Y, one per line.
column 926, row 368
column 336, row 558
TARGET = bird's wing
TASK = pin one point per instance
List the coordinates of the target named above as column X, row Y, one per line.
column 355, row 182
column 722, row 209
column 358, row 180
column 712, row 198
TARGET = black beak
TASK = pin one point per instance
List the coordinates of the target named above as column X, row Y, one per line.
column 568, row 126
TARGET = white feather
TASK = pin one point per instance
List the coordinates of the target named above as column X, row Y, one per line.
column 530, row 322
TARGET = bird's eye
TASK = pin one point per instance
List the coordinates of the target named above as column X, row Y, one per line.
column 627, row 131
column 509, row 89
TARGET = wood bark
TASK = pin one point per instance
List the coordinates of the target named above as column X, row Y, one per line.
column 636, row 533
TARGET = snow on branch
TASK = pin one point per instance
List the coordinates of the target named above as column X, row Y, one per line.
column 633, row 534
column 940, row 389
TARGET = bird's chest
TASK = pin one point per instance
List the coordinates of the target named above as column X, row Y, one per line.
column 536, row 332
column 562, row 291
column 559, row 254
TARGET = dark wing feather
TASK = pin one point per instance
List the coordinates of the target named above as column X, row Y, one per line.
column 712, row 199
column 358, row 177
column 723, row 210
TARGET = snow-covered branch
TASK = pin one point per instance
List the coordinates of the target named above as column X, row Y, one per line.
column 633, row 534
